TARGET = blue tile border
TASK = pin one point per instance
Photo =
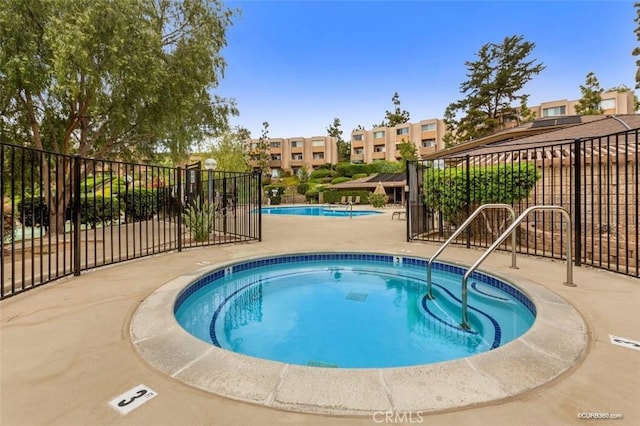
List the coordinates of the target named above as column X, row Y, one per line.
column 358, row 256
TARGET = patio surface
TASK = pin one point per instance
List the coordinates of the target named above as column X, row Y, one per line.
column 66, row 348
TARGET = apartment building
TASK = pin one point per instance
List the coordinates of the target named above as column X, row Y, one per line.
column 613, row 102
column 294, row 154
column 381, row 143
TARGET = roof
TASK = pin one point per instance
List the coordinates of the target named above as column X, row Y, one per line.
column 388, row 180
column 554, row 144
column 545, row 130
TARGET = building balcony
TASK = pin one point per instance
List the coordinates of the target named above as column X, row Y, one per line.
column 318, row 149
column 297, row 149
column 275, row 164
column 357, row 157
column 318, row 161
column 378, row 155
column 357, row 144
column 296, row 163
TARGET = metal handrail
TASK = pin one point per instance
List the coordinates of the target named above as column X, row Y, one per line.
column 459, row 231
column 464, row 324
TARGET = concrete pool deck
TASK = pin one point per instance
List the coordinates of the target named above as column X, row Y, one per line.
column 66, row 348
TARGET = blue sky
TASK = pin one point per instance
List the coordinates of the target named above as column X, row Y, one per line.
column 298, row 64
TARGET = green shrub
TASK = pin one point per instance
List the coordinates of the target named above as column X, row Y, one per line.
column 340, row 180
column 320, row 173
column 349, row 169
column 324, row 180
column 359, row 176
column 140, row 204
column 302, row 188
column 33, row 211
column 312, row 195
column 384, row 166
column 200, row 219
column 446, row 190
column 377, row 200
column 98, row 210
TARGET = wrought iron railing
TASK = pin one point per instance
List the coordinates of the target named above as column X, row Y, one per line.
column 65, row 214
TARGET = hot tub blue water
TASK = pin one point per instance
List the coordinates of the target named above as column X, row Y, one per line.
column 318, row 211
column 350, row 310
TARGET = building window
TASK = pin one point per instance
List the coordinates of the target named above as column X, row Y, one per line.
column 318, row 155
column 358, row 137
column 358, row 151
column 276, row 157
column 379, row 148
column 275, row 173
column 275, row 144
column 318, row 143
column 428, row 143
column 254, row 145
column 403, row 131
column 428, row 127
column 608, row 104
column 296, row 156
column 554, row 111
column 297, row 171
column 296, row 144
column 378, row 135
column 255, row 158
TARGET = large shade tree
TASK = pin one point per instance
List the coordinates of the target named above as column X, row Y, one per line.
column 492, row 91
column 111, row 78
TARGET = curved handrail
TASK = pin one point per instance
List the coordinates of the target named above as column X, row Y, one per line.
column 459, row 231
column 464, row 324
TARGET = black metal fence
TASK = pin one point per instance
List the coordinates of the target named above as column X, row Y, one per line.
column 65, row 214
column 595, row 179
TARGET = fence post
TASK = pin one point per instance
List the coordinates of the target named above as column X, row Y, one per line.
column 407, row 195
column 76, row 214
column 258, row 176
column 179, row 196
column 467, row 191
column 577, row 220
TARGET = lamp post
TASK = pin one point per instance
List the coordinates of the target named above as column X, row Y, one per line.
column 210, row 164
column 127, row 180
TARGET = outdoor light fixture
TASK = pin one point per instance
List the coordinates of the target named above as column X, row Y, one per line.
column 210, row 164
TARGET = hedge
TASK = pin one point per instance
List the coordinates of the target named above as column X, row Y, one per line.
column 446, row 190
column 140, row 204
column 320, row 173
column 335, row 195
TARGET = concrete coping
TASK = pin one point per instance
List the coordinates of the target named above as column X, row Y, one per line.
column 556, row 341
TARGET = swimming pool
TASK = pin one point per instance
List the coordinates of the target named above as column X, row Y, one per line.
column 350, row 310
column 318, row 211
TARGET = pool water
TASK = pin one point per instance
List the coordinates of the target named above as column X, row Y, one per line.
column 350, row 314
column 318, row 211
